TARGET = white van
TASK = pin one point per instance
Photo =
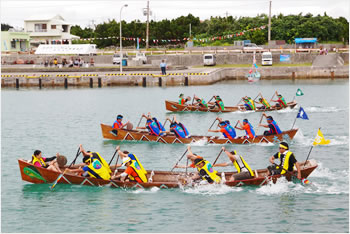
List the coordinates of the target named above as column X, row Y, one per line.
column 141, row 56
column 209, row 60
column 266, row 59
column 116, row 58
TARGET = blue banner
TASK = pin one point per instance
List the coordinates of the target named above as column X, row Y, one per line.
column 302, row 114
column 285, row 58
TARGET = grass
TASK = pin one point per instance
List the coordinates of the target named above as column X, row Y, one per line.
column 250, row 65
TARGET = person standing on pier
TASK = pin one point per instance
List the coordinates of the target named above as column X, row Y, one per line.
column 163, row 67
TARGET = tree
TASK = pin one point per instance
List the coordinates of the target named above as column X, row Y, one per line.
column 5, row 27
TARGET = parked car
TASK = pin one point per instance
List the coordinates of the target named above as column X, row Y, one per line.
column 209, row 60
column 266, row 58
column 251, row 47
column 142, row 57
column 116, row 58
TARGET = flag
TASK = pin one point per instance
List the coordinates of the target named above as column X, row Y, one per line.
column 138, row 44
column 319, row 140
column 299, row 93
column 256, row 66
column 302, row 114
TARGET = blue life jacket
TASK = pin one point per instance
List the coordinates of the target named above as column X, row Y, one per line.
column 277, row 129
column 229, row 132
column 153, row 128
column 179, row 132
column 184, row 128
column 159, row 124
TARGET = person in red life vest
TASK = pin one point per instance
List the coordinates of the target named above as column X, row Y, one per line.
column 48, row 163
column 151, row 126
column 274, row 128
column 182, row 100
column 190, row 156
column 281, row 102
column 118, row 123
column 226, row 129
column 248, row 129
column 287, row 162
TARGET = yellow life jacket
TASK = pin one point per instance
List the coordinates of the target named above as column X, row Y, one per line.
column 208, row 168
column 265, row 103
column 41, row 161
column 98, row 170
column 245, row 165
column 102, row 160
column 285, row 162
column 137, row 168
column 138, row 161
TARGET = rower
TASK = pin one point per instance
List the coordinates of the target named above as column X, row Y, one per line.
column 118, row 123
column 249, row 103
column 274, row 128
column 201, row 102
column 151, row 126
column 218, row 103
column 287, row 162
column 205, row 170
column 93, row 168
column 133, row 171
column 244, row 171
column 159, row 124
column 226, row 129
column 95, row 155
column 281, row 102
column 265, row 104
column 178, row 129
column 48, row 163
column 182, row 100
column 248, row 129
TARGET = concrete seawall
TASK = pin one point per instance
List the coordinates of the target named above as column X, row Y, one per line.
column 209, row 76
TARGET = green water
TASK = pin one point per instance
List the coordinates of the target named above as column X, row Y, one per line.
column 58, row 120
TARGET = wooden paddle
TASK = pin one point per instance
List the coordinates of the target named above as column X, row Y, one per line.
column 273, row 96
column 256, row 132
column 60, row 176
column 193, row 99
column 179, row 160
column 139, row 121
column 113, row 157
column 218, row 156
column 212, row 124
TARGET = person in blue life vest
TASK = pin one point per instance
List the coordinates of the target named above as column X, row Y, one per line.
column 287, row 162
column 226, row 129
column 92, row 168
column 178, row 129
column 118, row 123
column 151, row 125
column 244, row 171
column 159, row 125
column 272, row 125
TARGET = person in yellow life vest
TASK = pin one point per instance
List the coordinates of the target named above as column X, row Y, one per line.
column 287, row 162
column 248, row 103
column 265, row 104
column 93, row 168
column 126, row 154
column 133, row 171
column 97, row 156
column 48, row 163
column 205, row 170
column 244, row 171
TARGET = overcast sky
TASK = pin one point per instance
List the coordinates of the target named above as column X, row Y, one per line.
column 80, row 12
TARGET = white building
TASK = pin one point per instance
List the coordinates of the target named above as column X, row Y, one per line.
column 49, row 30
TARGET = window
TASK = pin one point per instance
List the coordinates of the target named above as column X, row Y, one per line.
column 53, row 26
column 40, row 27
column 13, row 44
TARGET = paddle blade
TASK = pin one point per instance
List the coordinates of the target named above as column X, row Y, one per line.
column 56, row 181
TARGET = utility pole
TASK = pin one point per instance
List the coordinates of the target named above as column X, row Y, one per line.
column 269, row 31
column 147, row 29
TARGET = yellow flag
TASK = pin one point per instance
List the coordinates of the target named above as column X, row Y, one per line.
column 319, row 140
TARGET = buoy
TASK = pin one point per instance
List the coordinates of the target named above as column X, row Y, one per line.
column 305, row 181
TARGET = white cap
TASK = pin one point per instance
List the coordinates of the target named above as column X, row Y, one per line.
column 125, row 160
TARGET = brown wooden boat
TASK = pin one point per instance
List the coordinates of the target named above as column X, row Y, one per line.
column 133, row 135
column 161, row 179
column 176, row 107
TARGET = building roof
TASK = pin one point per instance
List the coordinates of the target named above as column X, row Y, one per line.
column 57, row 19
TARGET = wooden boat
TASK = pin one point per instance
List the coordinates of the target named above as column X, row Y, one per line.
column 176, row 107
column 133, row 135
column 161, row 179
